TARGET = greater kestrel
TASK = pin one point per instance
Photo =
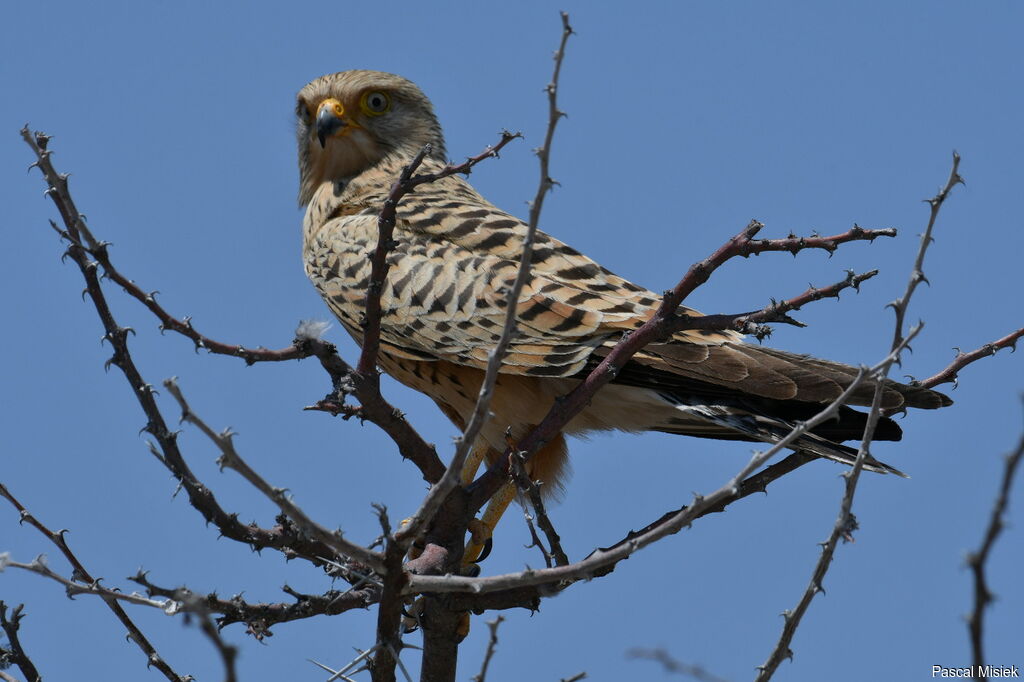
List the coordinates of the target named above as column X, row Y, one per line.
column 444, row 302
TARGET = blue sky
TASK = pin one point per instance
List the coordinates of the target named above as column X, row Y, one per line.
column 686, row 120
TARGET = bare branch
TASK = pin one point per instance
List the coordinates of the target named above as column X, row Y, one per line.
column 379, row 265
column 464, row 444
column 949, row 374
column 601, row 559
column 77, row 586
column 531, row 489
column 976, row 560
column 374, row 408
column 228, row 653
column 200, row 496
column 260, row 617
column 16, row 654
column 658, row 326
column 751, row 323
column 80, row 573
column 845, row 522
column 673, row 666
column 901, row 304
column 492, row 644
column 279, row 496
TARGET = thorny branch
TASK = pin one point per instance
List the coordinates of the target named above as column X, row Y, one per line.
column 531, row 489
column 407, row 181
column 281, row 537
column 389, row 642
column 949, row 374
column 81, row 574
column 76, row 585
column 976, row 560
column 601, row 559
column 373, row 408
column 673, row 666
column 528, row 596
column 16, row 654
column 364, row 383
column 230, row 459
column 464, row 444
column 845, row 522
column 776, row 311
column 492, row 645
column 260, row 617
column 660, row 325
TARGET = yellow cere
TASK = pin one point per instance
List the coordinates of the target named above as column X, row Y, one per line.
column 336, row 107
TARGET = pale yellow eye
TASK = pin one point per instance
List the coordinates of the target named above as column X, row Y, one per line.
column 374, row 103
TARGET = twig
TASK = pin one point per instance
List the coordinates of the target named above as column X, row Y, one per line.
column 535, row 540
column 228, row 653
column 601, row 559
column 200, row 496
column 379, row 265
column 16, row 654
column 976, row 560
column 531, row 489
column 232, row 460
column 776, row 311
column 260, row 617
column 79, row 585
column 57, row 538
column 949, row 374
column 901, row 304
column 845, row 522
column 658, row 326
column 465, row 442
column 529, row 596
column 673, row 666
column 492, row 644
column 376, row 409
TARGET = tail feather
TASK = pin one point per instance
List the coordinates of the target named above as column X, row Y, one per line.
column 731, row 420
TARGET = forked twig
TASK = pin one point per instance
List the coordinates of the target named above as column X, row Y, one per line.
column 465, row 442
column 230, row 459
column 845, row 522
column 81, row 574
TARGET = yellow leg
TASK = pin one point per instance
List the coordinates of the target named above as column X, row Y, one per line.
column 472, row 465
column 484, row 527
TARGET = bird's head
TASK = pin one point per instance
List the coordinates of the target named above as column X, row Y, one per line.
column 350, row 121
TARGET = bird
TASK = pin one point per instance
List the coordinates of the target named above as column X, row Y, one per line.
column 454, row 258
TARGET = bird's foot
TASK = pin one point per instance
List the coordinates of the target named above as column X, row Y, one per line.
column 480, row 543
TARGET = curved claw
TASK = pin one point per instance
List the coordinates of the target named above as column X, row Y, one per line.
column 485, row 552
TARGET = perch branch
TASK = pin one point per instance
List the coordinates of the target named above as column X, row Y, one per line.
column 601, row 559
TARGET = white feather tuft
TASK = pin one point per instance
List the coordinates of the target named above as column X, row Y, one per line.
column 312, row 329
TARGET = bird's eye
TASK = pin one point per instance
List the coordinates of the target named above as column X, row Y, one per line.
column 374, row 103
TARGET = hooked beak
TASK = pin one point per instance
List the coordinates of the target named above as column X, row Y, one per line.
column 329, row 119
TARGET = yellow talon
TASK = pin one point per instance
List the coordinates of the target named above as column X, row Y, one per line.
column 482, row 529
